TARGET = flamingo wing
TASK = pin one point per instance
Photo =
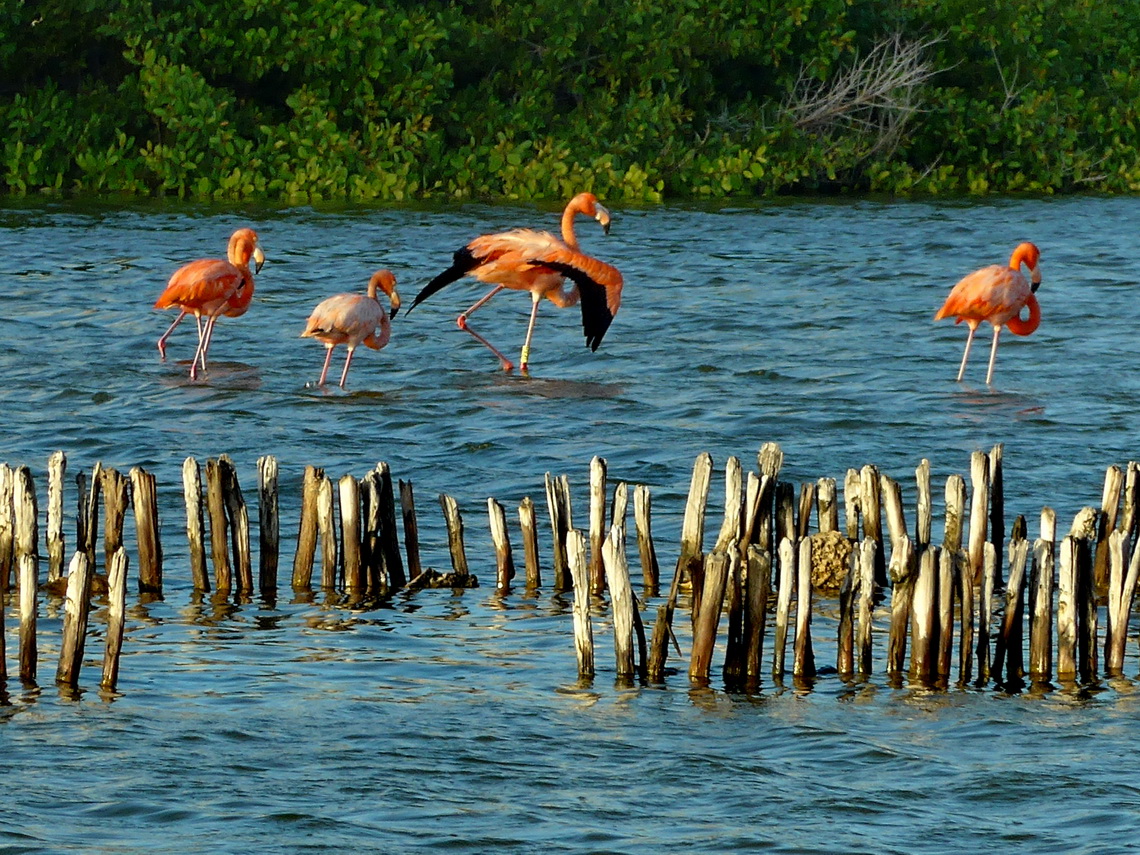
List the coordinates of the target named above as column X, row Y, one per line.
column 345, row 319
column 463, row 262
column 599, row 286
column 200, row 284
column 993, row 294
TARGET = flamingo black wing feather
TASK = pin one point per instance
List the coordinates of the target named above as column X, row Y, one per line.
column 596, row 314
column 462, row 263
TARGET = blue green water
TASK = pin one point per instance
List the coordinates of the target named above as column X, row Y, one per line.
column 455, row 722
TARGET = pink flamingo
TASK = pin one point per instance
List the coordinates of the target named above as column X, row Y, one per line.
column 212, row 287
column 538, row 262
column 353, row 319
column 997, row 294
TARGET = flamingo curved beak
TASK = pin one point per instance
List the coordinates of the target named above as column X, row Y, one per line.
column 258, row 259
column 1034, row 280
column 394, row 302
column 603, row 217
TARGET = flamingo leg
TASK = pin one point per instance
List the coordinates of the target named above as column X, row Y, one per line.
column 524, row 358
column 461, row 322
column 162, row 339
column 347, row 362
column 966, row 352
column 328, row 359
column 204, row 343
column 993, row 354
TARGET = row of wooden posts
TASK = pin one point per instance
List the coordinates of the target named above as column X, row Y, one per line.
column 764, row 557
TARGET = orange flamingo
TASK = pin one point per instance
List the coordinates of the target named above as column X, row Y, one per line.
column 538, row 262
column 997, row 294
column 353, row 319
column 212, row 287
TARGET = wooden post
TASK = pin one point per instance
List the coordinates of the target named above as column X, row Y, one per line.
column 389, row 542
column 892, row 503
column 1067, row 610
column 411, row 529
column 25, row 516
column 903, row 571
column 621, row 600
column 945, row 599
column 92, row 525
column 1128, row 517
column 77, row 609
column 116, row 615
column 730, row 528
column 979, row 512
column 728, row 541
column 641, row 515
column 693, row 526
column 559, row 527
column 827, row 511
column 705, row 627
column 620, row 506
column 269, row 525
column 348, row 489
column 57, row 467
column 845, row 643
column 923, row 512
column 7, row 524
column 1088, row 656
column 785, row 587
column 985, row 609
column 785, row 511
column 757, row 585
column 195, row 523
column 371, row 555
column 1041, row 612
column 1122, row 588
column 307, row 529
column 923, row 608
column 997, row 507
column 583, row 632
column 1008, row 648
column 237, row 518
column 663, row 631
column 803, row 665
column 872, row 518
column 216, row 507
column 454, row 521
column 504, row 562
column 28, row 574
column 116, row 498
column 852, row 502
column 803, row 516
column 865, row 556
column 145, row 500
column 326, row 528
column 529, row 526
column 597, row 524
column 1110, row 507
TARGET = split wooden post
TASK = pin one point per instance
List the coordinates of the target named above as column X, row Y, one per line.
column 803, row 665
column 945, row 599
column 28, row 574
column 216, row 507
column 306, row 551
column 845, row 642
column 76, row 611
column 597, row 524
column 731, row 526
column 803, row 516
column 116, row 616
column 866, row 593
column 1110, row 507
column 371, row 555
column 923, row 508
column 411, row 529
column 784, row 589
column 144, row 498
column 116, row 498
column 693, row 525
column 1067, row 610
column 997, row 507
column 26, row 517
column 348, row 489
column 389, row 542
column 326, row 528
column 728, row 541
column 714, row 579
column 269, row 524
column 1088, row 656
column 619, row 508
column 827, row 511
column 785, row 511
column 504, row 562
column 892, row 504
column 963, row 568
column 621, row 600
column 663, row 631
column 1123, row 573
column 903, row 570
column 195, row 523
column 1127, row 522
column 923, row 608
column 237, row 517
column 528, row 524
column 757, row 585
column 1008, row 653
column 57, row 467
column 575, row 557
column 454, row 521
column 1041, row 612
column 92, row 525
column 986, row 608
column 979, row 513
column 650, row 571
column 852, row 503
column 872, row 518
column 559, row 527
column 7, row 525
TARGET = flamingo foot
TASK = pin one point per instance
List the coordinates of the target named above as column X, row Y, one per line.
column 162, row 351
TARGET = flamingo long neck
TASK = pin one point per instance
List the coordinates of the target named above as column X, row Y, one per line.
column 1024, row 254
column 572, row 210
column 1019, row 327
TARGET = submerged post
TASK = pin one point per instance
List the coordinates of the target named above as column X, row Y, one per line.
column 583, row 632
column 77, row 609
column 144, row 492
column 504, row 561
column 116, row 614
column 195, row 523
column 306, row 550
column 269, row 524
column 57, row 467
column 650, row 570
column 528, row 524
column 411, row 529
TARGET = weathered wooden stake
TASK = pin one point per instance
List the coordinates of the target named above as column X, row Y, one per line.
column 389, row 542
column 1110, row 507
column 195, row 524
column 216, row 508
column 621, row 600
column 1122, row 588
column 326, row 527
column 945, row 598
column 1128, row 517
column 269, row 524
column 785, row 511
column 619, row 508
column 803, row 515
column 693, row 526
column 57, row 467
column 454, row 521
column 986, row 609
column 924, row 644
column 26, row 517
column 597, row 524
column 845, row 643
column 641, row 515
column 307, row 529
column 411, row 529
column 7, row 524
column 865, row 559
column 237, row 517
column 892, row 504
column 1067, row 610
column 730, row 527
column 575, row 557
column 869, row 490
column 504, row 562
column 997, row 507
column 1041, row 612
column 92, row 525
column 705, row 626
column 528, row 523
column 144, row 498
column 757, row 586
column 904, row 570
column 803, row 665
column 348, row 489
column 559, row 527
column 1087, row 653
column 784, row 589
column 28, row 575
column 979, row 513
column 923, row 511
column 76, row 610
column 1008, row 648
column 827, row 511
column 116, row 615
column 852, row 503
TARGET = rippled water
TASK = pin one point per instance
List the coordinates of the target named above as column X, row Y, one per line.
column 455, row 721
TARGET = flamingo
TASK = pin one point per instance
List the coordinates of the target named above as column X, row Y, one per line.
column 212, row 287
column 997, row 294
column 538, row 262
column 353, row 319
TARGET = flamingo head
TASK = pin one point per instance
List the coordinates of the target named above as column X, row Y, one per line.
column 587, row 203
column 243, row 246
column 1029, row 255
column 383, row 280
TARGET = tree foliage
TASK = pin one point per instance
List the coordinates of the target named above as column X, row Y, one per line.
column 637, row 99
